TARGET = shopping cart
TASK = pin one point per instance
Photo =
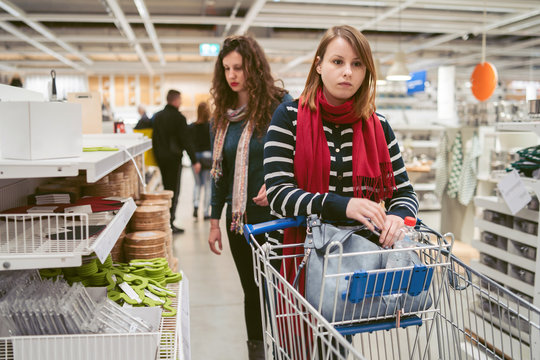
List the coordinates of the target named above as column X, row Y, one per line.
column 466, row 315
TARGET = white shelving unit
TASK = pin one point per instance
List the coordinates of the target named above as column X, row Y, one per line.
column 422, row 181
column 533, row 126
column 506, row 275
column 96, row 164
column 173, row 334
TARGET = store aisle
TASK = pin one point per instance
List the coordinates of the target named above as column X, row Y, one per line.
column 215, row 295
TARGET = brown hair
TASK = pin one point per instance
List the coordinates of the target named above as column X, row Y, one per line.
column 364, row 98
column 172, row 95
column 203, row 113
column 264, row 95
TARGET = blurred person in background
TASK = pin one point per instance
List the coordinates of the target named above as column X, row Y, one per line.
column 144, row 122
column 200, row 131
column 169, row 140
column 16, row 81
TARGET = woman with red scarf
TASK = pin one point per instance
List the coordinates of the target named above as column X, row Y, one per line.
column 329, row 153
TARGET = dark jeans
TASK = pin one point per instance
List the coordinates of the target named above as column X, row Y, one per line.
column 171, row 172
column 243, row 259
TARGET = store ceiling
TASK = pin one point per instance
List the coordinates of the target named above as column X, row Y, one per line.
column 111, row 36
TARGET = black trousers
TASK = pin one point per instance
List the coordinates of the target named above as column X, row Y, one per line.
column 243, row 259
column 171, row 173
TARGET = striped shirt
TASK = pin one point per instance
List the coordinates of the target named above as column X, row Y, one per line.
column 286, row 199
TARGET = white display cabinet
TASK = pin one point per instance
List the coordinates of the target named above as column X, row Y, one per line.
column 508, row 243
column 30, row 249
column 419, row 143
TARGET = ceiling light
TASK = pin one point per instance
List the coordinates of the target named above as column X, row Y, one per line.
column 398, row 71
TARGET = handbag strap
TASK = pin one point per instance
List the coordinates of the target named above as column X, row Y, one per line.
column 315, row 227
column 341, row 236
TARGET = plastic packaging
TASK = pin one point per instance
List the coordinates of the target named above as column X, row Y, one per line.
column 30, row 306
column 407, row 238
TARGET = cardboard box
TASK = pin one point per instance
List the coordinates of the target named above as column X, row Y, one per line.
column 33, row 130
column 91, row 110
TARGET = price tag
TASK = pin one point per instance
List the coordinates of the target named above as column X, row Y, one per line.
column 130, row 292
column 161, row 289
column 514, row 192
column 153, row 297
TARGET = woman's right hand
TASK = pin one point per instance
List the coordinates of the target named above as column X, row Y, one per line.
column 214, row 239
column 364, row 209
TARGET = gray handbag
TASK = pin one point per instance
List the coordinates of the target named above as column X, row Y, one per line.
column 335, row 304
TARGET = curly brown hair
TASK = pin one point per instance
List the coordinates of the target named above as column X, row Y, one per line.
column 264, row 95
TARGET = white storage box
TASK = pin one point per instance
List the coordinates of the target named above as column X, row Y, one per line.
column 33, row 130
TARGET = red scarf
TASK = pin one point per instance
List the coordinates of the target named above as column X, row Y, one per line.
column 373, row 175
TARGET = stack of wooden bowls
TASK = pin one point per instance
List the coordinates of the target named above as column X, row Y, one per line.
column 159, row 195
column 144, row 245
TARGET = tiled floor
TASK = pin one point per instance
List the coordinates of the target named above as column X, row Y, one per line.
column 216, row 310
column 215, row 294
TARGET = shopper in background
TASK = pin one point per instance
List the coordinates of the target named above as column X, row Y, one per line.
column 106, row 112
column 200, row 131
column 16, row 81
column 144, row 122
column 345, row 159
column 170, row 138
column 245, row 96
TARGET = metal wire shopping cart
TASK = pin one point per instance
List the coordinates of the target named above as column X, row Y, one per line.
column 464, row 315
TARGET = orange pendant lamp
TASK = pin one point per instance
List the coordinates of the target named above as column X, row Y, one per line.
column 484, row 77
column 484, row 80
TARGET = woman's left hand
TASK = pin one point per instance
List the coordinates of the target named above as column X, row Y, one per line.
column 261, row 198
column 391, row 230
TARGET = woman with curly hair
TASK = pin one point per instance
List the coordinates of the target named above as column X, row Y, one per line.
column 245, row 97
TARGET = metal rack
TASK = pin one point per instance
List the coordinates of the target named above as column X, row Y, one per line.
column 24, row 243
column 162, row 344
column 30, row 248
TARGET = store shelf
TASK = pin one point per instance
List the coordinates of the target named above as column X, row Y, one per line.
column 424, row 187
column 533, row 126
column 421, row 144
column 174, row 338
column 496, row 333
column 417, row 127
column 16, row 258
column 496, row 204
column 164, row 344
column 505, row 255
column 422, row 207
column 503, row 278
column 96, row 164
column 527, row 239
column 487, row 178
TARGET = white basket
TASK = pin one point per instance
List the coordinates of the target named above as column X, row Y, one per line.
column 26, row 243
column 162, row 345
column 43, row 233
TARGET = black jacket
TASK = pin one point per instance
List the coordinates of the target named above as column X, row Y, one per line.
column 201, row 136
column 171, row 135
